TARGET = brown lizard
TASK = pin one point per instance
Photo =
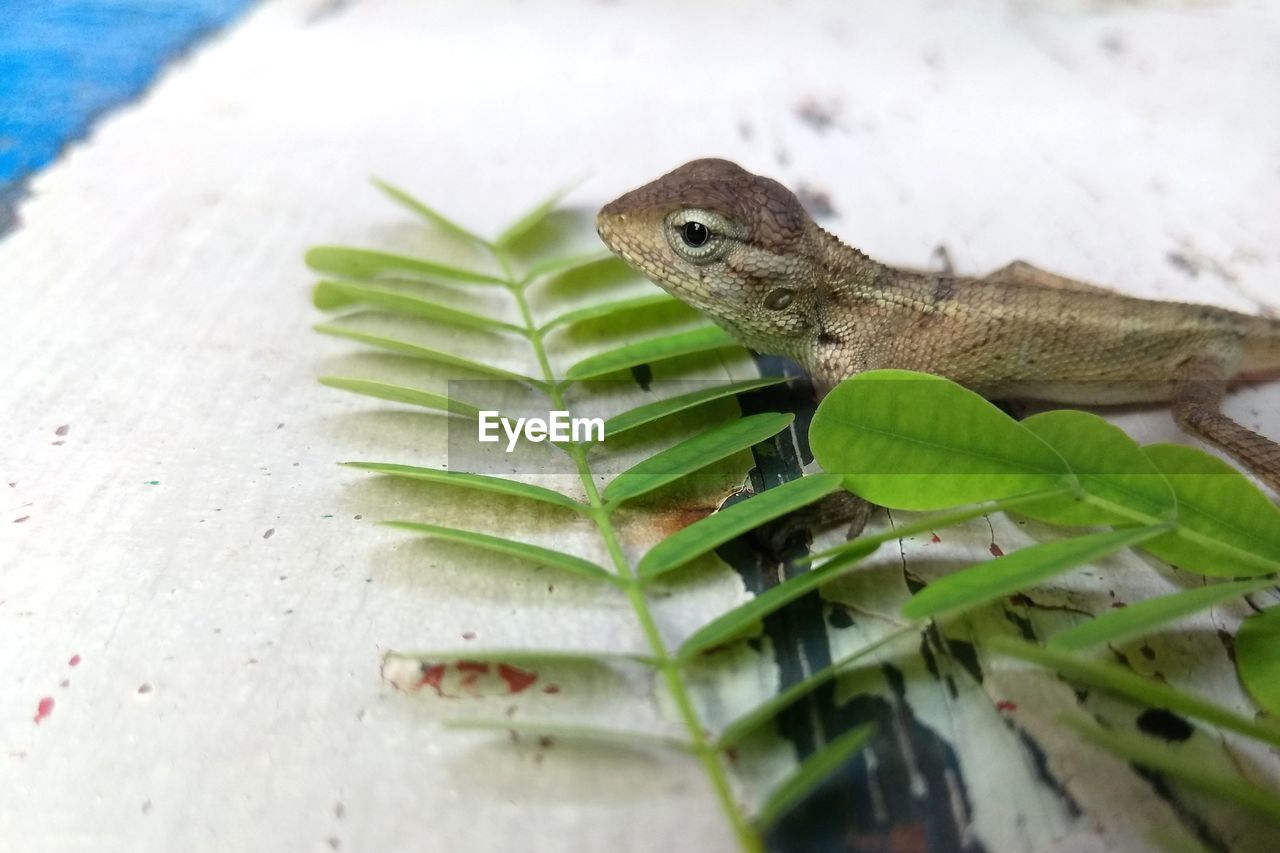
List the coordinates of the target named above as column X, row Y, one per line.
column 740, row 248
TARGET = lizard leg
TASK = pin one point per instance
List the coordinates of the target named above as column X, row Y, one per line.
column 1197, row 396
column 1021, row 272
column 776, row 537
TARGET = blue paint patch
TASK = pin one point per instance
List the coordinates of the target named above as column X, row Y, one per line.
column 63, row 62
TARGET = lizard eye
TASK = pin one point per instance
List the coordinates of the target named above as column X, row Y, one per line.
column 698, row 236
column 695, row 234
column 778, row 299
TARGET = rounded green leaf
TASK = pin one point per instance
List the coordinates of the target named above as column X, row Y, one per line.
column 1226, row 526
column 909, row 440
column 1120, row 484
column 1258, row 658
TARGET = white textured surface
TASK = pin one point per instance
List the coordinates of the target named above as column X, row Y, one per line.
column 153, row 300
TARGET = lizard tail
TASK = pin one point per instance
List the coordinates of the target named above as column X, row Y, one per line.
column 1262, row 348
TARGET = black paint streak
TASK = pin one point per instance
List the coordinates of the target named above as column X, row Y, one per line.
column 1040, row 763
column 1165, row 725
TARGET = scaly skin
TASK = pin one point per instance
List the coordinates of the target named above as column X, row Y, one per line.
column 740, row 248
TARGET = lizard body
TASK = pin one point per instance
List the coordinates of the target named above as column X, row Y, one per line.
column 740, row 248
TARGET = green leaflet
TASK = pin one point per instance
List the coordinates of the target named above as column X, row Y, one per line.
column 430, row 214
column 700, row 340
column 882, row 432
column 573, row 731
column 660, row 409
column 402, row 394
column 1026, row 567
column 1146, row 691
column 424, row 353
column 1140, row 749
column 707, row 534
column 499, row 545
column 835, row 562
column 336, row 294
column 1143, row 617
column 811, row 773
column 748, row 722
column 1119, row 482
column 368, row 264
column 560, row 266
column 694, row 454
column 615, row 309
column 1227, row 527
column 526, row 223
column 1258, row 658
column 479, row 482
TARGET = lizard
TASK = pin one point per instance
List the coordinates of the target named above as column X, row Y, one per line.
column 740, row 248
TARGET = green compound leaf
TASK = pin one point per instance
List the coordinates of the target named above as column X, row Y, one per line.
column 636, row 304
column 424, row 353
column 1002, row 576
column 1120, row 484
column 479, row 482
column 811, row 773
column 1140, row 749
column 659, row 409
column 368, row 264
column 1145, row 691
column 709, row 533
column 510, row 547
column 1143, row 617
column 1258, row 658
column 329, row 295
column 402, row 394
column 1226, row 526
column 702, row 339
column 884, row 431
column 694, row 454
column 430, row 214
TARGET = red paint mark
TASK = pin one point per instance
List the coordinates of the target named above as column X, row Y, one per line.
column 551, row 688
column 20, row 520
column 996, row 550
column 471, row 671
column 935, row 539
column 75, row 661
column 44, row 709
column 1118, row 605
column 517, row 679
column 62, row 430
column 432, row 676
column 1004, row 706
column 468, row 635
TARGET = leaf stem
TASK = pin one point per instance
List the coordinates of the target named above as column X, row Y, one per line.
column 666, row 663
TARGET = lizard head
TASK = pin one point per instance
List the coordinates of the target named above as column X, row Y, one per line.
column 736, row 246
